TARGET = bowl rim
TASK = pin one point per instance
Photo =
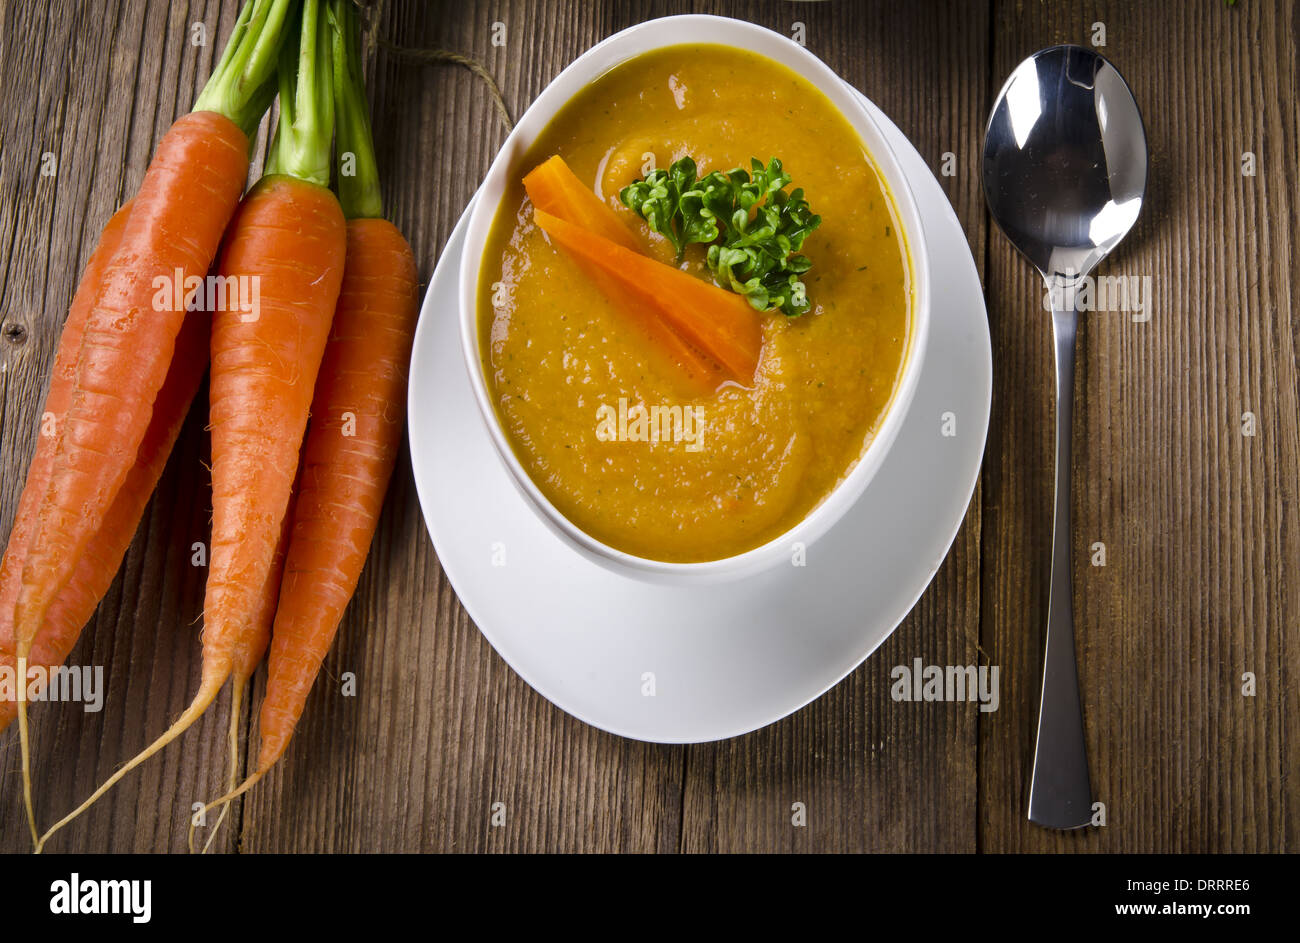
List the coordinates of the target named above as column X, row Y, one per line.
column 700, row 29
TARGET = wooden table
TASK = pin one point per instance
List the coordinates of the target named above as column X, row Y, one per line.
column 1200, row 521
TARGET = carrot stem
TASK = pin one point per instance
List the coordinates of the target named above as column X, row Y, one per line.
column 302, row 141
column 358, row 180
column 243, row 83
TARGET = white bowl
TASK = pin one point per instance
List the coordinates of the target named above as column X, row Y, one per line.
column 632, row 42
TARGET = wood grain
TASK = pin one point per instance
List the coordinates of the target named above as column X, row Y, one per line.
column 1199, row 521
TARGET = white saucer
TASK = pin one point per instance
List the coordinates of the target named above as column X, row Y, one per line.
column 721, row 660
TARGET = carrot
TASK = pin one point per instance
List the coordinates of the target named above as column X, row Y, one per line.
column 189, row 191
column 699, row 373
column 250, row 654
column 554, row 188
column 718, row 322
column 188, row 194
column 288, row 237
column 351, row 451
column 56, row 405
column 125, row 353
column 348, row 460
column 246, row 663
column 99, row 564
column 290, row 233
column 356, row 428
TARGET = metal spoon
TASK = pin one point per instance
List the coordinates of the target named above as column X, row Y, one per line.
column 1065, row 167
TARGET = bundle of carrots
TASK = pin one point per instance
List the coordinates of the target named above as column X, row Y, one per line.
column 307, row 391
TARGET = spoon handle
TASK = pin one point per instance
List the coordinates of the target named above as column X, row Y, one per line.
column 1059, row 793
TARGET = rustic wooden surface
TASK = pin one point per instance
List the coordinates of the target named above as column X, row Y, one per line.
column 1199, row 521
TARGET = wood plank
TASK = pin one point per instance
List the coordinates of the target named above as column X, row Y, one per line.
column 1197, row 519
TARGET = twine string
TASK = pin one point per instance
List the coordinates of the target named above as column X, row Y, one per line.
column 441, row 56
column 372, row 10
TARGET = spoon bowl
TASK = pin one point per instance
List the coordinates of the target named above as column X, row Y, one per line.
column 1065, row 160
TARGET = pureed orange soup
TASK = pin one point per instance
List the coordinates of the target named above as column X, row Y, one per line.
column 581, row 395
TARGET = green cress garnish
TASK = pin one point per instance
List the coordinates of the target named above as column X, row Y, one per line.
column 754, row 228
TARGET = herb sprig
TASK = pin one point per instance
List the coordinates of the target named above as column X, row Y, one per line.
column 753, row 227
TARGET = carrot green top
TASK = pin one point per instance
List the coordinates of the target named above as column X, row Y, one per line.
column 243, row 83
column 358, row 179
column 302, row 141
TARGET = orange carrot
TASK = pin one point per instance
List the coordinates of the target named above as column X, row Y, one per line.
column 556, row 189
column 699, row 373
column 53, row 412
column 246, row 663
column 289, row 234
column 171, row 235
column 356, row 427
column 192, row 187
column 289, row 238
column 349, row 457
column 357, row 416
column 718, row 322
column 99, row 564
column 251, row 654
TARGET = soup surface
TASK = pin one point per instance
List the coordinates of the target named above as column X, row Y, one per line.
column 580, row 395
